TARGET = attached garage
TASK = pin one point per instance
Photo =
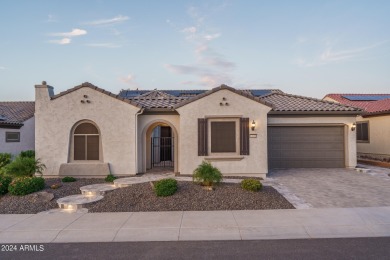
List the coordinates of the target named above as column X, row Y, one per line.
column 306, row 147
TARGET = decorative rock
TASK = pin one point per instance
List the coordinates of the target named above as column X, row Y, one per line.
column 43, row 196
column 56, row 186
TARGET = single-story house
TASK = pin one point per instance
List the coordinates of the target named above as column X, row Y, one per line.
column 87, row 131
column 17, row 126
column 373, row 126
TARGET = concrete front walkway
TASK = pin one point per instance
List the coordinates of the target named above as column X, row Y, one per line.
column 333, row 188
column 194, row 225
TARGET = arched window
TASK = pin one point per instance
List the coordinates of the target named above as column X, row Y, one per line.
column 86, row 143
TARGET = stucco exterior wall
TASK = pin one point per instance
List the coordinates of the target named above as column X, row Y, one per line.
column 27, row 138
column 347, row 121
column 56, row 118
column 253, row 164
column 379, row 135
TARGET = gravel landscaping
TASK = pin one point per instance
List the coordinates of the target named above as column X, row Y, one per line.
column 141, row 197
column 29, row 204
column 189, row 197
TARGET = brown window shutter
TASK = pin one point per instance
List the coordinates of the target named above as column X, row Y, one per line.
column 202, row 136
column 244, row 136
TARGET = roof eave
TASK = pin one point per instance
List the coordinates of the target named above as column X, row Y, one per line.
column 355, row 113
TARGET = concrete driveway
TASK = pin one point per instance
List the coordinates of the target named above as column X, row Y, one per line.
column 333, row 188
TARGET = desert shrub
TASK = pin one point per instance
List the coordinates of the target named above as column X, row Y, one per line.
column 26, row 185
column 24, row 166
column 165, row 187
column 110, row 178
column 207, row 174
column 68, row 179
column 27, row 153
column 251, row 185
column 4, row 183
column 5, row 159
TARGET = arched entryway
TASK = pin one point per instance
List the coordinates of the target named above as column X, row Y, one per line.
column 160, row 145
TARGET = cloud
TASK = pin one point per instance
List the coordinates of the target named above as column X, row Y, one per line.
column 51, row 18
column 73, row 33
column 328, row 55
column 103, row 45
column 210, row 37
column 2, row 68
column 210, row 67
column 115, row 20
column 191, row 29
column 129, row 79
column 63, row 41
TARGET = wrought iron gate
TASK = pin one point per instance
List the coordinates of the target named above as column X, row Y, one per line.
column 162, row 152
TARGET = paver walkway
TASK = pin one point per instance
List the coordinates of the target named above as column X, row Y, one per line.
column 333, row 188
column 194, row 225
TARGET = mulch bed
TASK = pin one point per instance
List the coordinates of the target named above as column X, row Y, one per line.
column 140, row 197
column 28, row 204
column 189, row 197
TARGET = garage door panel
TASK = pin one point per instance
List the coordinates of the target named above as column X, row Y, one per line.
column 306, row 147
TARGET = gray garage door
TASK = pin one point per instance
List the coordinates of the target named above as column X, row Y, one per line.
column 306, row 147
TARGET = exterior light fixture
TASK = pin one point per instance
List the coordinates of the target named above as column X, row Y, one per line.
column 353, row 127
column 253, row 125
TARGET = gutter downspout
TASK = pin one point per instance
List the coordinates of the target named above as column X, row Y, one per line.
column 136, row 138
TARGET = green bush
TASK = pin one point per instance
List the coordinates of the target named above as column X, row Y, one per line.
column 251, row 185
column 27, row 153
column 26, row 185
column 165, row 187
column 24, row 166
column 5, row 159
column 68, row 179
column 4, row 183
column 207, row 174
column 110, row 178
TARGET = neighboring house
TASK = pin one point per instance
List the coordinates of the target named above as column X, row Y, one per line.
column 17, row 127
column 87, row 131
column 373, row 126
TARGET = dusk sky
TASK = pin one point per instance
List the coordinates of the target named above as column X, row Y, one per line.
column 308, row 48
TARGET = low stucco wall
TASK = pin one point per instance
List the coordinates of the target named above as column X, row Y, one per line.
column 347, row 121
column 379, row 136
column 255, row 163
column 27, row 138
column 56, row 118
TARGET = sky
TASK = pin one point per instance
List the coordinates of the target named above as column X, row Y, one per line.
column 307, row 48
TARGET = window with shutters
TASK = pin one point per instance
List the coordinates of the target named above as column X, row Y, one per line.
column 223, row 136
column 362, row 132
column 86, row 142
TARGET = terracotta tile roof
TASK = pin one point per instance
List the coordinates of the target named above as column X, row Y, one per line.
column 292, row 103
column 89, row 85
column 370, row 107
column 239, row 92
column 171, row 99
column 15, row 113
column 157, row 99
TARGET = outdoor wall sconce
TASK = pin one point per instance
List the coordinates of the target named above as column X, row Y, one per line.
column 253, row 125
column 353, row 127
column 82, row 101
column 85, row 96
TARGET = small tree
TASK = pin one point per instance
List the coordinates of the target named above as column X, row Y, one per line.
column 207, row 174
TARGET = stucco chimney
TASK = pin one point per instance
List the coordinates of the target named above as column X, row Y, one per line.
column 43, row 93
